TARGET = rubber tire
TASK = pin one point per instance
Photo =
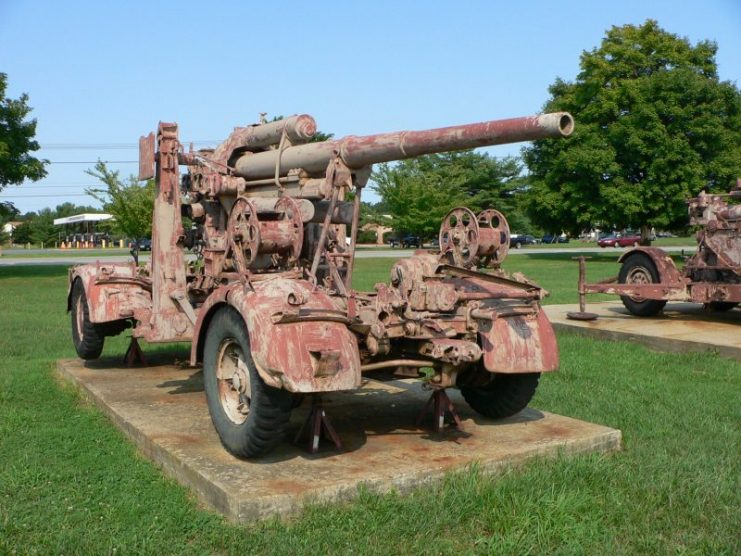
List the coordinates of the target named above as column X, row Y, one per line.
column 721, row 306
column 503, row 396
column 89, row 340
column 647, row 307
column 518, row 245
column 270, row 408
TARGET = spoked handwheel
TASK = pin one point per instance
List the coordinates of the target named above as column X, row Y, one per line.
column 494, row 237
column 295, row 225
column 243, row 234
column 459, row 237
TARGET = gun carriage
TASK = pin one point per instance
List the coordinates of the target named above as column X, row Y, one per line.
column 648, row 277
column 268, row 304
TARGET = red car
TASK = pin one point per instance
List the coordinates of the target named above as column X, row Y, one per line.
column 623, row 241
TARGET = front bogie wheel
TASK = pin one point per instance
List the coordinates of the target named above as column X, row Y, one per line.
column 639, row 269
column 249, row 416
column 87, row 337
column 503, row 395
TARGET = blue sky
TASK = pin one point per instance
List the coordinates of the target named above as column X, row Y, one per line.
column 104, row 73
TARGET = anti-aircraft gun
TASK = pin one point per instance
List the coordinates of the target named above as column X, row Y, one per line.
column 268, row 302
column 648, row 277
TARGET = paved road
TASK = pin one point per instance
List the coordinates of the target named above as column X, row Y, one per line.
column 70, row 259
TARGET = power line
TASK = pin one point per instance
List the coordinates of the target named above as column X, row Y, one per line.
column 93, row 162
column 47, row 195
column 24, row 187
column 59, row 184
column 112, row 146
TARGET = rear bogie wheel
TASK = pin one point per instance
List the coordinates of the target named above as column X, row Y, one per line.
column 87, row 337
column 503, row 395
column 249, row 416
column 639, row 269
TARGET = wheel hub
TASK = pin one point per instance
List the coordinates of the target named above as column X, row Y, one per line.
column 79, row 317
column 638, row 275
column 233, row 381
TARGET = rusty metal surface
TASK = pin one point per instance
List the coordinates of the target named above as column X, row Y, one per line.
column 712, row 275
column 114, row 291
column 359, row 152
column 299, row 340
column 170, row 319
column 146, row 157
column 274, row 238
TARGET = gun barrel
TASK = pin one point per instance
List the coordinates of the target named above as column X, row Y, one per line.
column 359, row 152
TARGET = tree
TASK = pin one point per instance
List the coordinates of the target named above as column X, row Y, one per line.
column 654, row 126
column 8, row 212
column 419, row 192
column 17, row 140
column 131, row 203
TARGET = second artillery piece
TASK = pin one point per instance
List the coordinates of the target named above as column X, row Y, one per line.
column 268, row 303
column 648, row 277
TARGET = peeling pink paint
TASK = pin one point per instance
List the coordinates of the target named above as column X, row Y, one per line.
column 274, row 238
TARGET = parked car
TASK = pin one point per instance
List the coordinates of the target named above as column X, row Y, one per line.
column 621, row 241
column 411, row 241
column 551, row 238
column 517, row 240
column 145, row 244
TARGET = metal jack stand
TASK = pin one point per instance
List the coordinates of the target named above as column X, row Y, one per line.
column 441, row 407
column 134, row 354
column 317, row 423
column 582, row 313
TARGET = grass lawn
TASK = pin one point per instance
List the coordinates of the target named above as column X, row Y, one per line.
column 70, row 482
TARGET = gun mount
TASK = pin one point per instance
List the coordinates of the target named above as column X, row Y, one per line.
column 268, row 303
column 648, row 277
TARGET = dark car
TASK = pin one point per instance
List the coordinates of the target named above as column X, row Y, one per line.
column 411, row 241
column 517, row 240
column 622, row 241
column 551, row 238
column 145, row 244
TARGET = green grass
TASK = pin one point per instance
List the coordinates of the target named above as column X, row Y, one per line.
column 70, row 482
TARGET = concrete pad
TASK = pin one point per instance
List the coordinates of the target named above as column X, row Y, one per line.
column 679, row 327
column 163, row 410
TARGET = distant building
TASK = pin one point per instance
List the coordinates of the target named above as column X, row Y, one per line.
column 80, row 229
column 82, row 218
column 9, row 227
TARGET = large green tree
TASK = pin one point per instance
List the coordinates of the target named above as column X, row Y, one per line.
column 418, row 192
column 17, row 140
column 130, row 202
column 654, row 126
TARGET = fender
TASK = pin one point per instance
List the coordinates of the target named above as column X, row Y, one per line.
column 668, row 272
column 113, row 291
column 519, row 344
column 299, row 340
